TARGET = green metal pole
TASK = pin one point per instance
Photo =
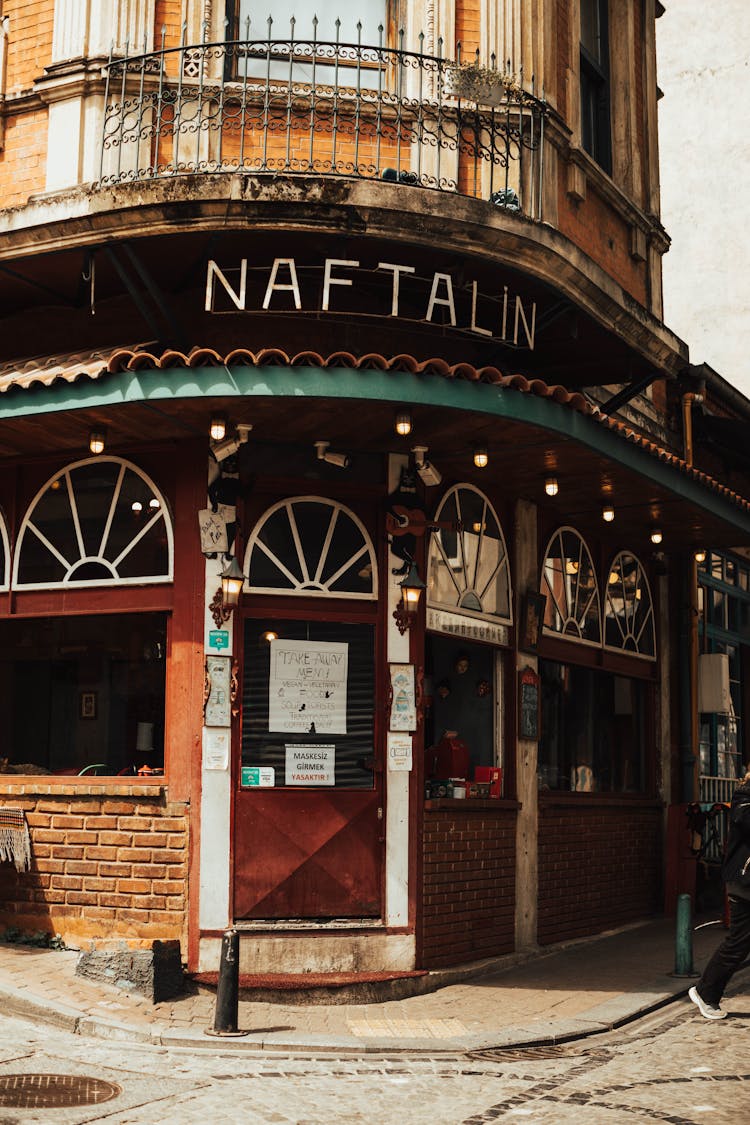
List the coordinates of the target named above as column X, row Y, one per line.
column 683, row 947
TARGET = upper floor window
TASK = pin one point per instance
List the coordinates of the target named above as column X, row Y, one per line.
column 628, row 609
column 97, row 522
column 252, row 16
column 310, row 546
column 468, row 568
column 595, row 99
column 570, row 586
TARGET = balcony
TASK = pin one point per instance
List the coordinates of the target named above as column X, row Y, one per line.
column 325, row 108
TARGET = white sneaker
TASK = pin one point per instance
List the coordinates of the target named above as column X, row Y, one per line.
column 706, row 1010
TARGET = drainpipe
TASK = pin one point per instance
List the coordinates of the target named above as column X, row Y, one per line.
column 689, row 674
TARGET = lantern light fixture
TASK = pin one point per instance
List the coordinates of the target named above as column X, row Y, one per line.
column 218, row 427
column 551, row 487
column 656, row 536
column 700, row 556
column 403, row 423
column 97, row 441
column 481, row 457
column 232, row 581
column 608, row 513
column 405, row 613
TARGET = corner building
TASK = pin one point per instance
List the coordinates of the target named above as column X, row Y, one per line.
column 338, row 304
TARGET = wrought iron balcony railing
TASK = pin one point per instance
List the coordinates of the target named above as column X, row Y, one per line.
column 325, row 108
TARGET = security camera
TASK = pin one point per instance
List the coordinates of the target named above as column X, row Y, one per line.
column 229, row 446
column 342, row 460
column 428, row 474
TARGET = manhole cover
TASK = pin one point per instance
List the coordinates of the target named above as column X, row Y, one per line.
column 45, row 1091
column 546, row 1051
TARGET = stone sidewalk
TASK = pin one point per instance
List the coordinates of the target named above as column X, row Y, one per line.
column 583, row 988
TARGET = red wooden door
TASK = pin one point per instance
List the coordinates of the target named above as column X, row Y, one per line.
column 307, row 854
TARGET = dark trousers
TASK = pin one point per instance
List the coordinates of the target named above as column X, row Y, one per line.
column 730, row 954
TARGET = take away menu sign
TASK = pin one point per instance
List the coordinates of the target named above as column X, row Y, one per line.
column 307, row 687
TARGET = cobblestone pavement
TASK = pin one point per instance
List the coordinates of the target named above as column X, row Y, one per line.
column 672, row 1066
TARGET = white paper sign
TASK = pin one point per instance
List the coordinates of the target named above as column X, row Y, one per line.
column 307, row 687
column 216, row 749
column 399, row 751
column 213, row 531
column 310, row 765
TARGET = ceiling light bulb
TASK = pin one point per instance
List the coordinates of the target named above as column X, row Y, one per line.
column 153, row 503
column 97, row 441
column 403, row 423
column 136, row 506
column 218, row 428
column 551, row 486
column 269, row 635
column 481, row 458
column 700, row 556
column 656, row 536
column 608, row 514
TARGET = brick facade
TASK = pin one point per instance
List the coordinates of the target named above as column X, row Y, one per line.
column 600, row 864
column 108, row 864
column 468, row 880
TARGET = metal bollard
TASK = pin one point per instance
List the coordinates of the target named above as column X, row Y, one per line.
column 228, row 987
column 683, row 947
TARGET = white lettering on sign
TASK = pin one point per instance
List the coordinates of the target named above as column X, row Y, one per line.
column 512, row 315
column 310, row 765
column 307, row 687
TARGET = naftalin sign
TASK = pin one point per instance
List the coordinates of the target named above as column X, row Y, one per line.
column 505, row 316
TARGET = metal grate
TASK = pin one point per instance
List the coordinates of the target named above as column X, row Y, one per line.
column 529, row 1054
column 47, row 1091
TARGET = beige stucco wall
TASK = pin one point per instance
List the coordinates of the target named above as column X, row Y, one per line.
column 703, row 69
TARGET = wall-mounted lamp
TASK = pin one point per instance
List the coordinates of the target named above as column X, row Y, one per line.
column 218, row 427
column 551, row 487
column 342, row 460
column 608, row 513
column 403, row 423
column 428, row 474
column 700, row 556
column 97, row 441
column 656, row 536
column 229, row 446
column 405, row 613
column 227, row 597
column 481, row 457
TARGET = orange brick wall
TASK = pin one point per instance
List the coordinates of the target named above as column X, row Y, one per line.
column 23, row 158
column 108, row 865
column 29, row 41
column 605, row 237
column 467, row 28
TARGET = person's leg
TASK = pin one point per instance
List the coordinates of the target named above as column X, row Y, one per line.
column 730, row 954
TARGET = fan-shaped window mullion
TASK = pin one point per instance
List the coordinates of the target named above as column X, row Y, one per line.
column 52, row 548
column 111, row 512
column 325, row 549
column 567, row 549
column 344, row 535
column 298, row 545
column 622, row 607
column 454, row 587
column 4, row 554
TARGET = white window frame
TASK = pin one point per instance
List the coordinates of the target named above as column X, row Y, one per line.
column 648, row 621
column 302, row 589
column 4, row 551
column 583, row 551
column 27, row 525
column 456, row 564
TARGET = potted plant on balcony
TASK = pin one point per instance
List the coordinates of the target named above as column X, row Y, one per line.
column 483, row 85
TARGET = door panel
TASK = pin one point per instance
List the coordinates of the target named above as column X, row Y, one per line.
column 307, row 854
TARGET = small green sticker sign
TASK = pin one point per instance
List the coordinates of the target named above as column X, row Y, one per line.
column 264, row 777
column 218, row 638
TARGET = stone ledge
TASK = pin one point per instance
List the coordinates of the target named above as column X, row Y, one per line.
column 37, row 788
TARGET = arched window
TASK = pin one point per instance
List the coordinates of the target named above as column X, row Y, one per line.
column 628, row 609
column 4, row 554
column 308, row 546
column 97, row 522
column 467, row 568
column 569, row 583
